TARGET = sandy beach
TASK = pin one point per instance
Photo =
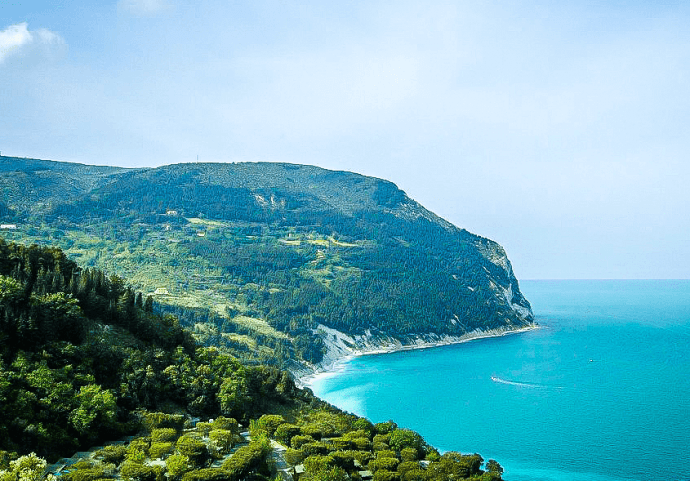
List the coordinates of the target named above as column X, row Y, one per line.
column 332, row 367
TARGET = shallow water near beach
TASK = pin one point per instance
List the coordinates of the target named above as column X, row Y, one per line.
column 601, row 392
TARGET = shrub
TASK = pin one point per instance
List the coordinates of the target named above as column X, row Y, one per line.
column 26, row 468
column 385, row 475
column 112, row 454
column 409, row 454
column 86, row 474
column 492, row 466
column 317, row 469
column 339, row 444
column 294, row 456
column 406, row 466
column 385, row 428
column 247, row 458
column 489, row 476
column 316, row 463
column 140, row 444
column 416, row 474
column 432, row 454
column 315, row 448
column 384, row 463
column 230, row 424
column 332, row 422
column 326, row 474
column 386, row 453
column 158, row 450
column 344, row 459
column 363, row 424
column 132, row 471
column 312, row 430
column 363, row 457
column 270, row 422
column 455, row 465
column 208, row 474
column 5, row 457
column 381, row 447
column 382, row 438
column 221, row 441
column 362, row 444
column 193, row 448
column 137, row 450
column 177, row 465
column 285, row 432
column 204, row 428
column 319, row 430
column 300, row 440
column 406, row 438
column 152, row 421
column 163, row 435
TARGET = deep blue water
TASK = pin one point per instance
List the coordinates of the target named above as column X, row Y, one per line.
column 600, row 393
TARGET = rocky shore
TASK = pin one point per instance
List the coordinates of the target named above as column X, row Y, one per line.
column 342, row 347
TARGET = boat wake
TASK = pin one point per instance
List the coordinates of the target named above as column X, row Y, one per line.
column 532, row 385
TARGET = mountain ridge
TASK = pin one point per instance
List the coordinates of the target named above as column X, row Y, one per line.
column 270, row 251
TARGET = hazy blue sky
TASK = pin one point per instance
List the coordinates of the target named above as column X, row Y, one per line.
column 557, row 128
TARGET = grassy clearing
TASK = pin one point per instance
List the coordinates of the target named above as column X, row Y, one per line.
column 290, row 242
column 260, row 326
column 344, row 244
column 317, row 240
column 241, row 338
column 326, row 272
column 206, row 222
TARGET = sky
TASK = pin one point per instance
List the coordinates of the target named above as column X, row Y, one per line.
column 557, row 128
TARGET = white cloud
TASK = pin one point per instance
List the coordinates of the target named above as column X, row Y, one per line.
column 142, row 7
column 13, row 38
column 17, row 39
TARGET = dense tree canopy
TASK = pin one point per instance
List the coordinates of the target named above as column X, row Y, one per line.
column 80, row 355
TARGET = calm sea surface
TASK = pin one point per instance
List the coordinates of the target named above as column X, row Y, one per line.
column 600, row 393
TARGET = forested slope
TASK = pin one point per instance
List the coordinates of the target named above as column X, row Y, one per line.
column 256, row 256
column 83, row 361
column 81, row 352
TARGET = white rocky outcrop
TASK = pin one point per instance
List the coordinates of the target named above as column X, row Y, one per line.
column 340, row 346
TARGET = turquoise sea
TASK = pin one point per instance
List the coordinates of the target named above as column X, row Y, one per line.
column 600, row 393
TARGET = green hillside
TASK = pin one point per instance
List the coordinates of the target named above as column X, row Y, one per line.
column 256, row 257
column 84, row 361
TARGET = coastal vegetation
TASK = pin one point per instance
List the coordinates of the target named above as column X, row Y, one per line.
column 85, row 360
column 254, row 258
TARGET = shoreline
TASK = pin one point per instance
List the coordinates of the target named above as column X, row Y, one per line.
column 331, row 367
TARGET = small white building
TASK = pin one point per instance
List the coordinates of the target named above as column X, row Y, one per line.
column 8, row 226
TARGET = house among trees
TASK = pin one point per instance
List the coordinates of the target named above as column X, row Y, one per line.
column 8, row 226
